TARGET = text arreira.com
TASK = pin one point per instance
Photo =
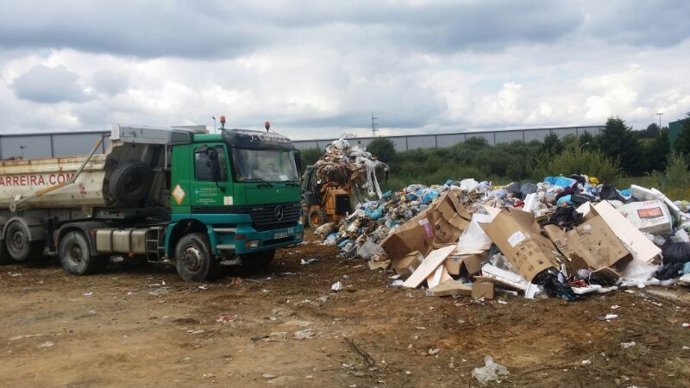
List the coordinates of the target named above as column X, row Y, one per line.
column 35, row 180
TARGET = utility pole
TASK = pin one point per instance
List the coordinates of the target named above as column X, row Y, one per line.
column 659, row 114
column 374, row 125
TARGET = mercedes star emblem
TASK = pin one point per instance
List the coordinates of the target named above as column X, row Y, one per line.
column 278, row 213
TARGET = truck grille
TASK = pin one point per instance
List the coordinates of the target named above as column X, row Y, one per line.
column 273, row 216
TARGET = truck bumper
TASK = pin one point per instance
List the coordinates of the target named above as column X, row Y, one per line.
column 245, row 239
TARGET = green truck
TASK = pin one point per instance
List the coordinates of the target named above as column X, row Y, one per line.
column 164, row 195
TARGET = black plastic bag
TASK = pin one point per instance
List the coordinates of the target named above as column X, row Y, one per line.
column 565, row 217
column 609, row 192
column 669, row 271
column 555, row 284
column 581, row 198
column 675, row 252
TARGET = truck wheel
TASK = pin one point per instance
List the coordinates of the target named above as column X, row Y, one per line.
column 18, row 244
column 130, row 183
column 317, row 217
column 258, row 260
column 75, row 255
column 193, row 258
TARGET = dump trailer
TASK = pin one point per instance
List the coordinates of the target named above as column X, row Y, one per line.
column 165, row 195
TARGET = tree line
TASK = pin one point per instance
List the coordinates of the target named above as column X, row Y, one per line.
column 616, row 152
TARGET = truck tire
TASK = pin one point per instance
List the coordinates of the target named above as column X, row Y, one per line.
column 193, row 258
column 258, row 260
column 75, row 256
column 130, row 183
column 18, row 243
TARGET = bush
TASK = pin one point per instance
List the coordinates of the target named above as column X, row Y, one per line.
column 577, row 161
column 309, row 156
column 382, row 148
column 676, row 181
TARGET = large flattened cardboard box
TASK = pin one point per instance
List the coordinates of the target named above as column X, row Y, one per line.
column 518, row 237
column 591, row 245
column 442, row 223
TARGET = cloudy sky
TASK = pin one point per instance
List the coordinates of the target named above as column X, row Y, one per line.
column 320, row 68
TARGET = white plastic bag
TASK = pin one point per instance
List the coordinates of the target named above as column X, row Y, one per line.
column 489, row 372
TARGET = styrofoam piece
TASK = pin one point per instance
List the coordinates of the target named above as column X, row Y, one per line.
column 507, row 278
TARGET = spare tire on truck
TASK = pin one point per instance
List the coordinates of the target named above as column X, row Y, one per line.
column 130, row 183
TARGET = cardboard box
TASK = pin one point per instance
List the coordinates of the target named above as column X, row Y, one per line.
column 471, row 263
column 450, row 288
column 437, row 277
column 448, row 217
column 519, row 238
column 416, row 234
column 482, row 289
column 406, row 266
column 440, row 224
column 453, row 264
column 649, row 216
column 634, row 240
column 591, row 245
column 428, row 266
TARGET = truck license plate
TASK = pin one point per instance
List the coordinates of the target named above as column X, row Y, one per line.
column 280, row 235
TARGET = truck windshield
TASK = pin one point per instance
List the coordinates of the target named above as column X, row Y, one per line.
column 264, row 165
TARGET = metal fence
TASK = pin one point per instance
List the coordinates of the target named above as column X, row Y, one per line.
column 411, row 142
column 59, row 144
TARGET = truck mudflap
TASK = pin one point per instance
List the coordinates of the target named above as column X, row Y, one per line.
column 245, row 239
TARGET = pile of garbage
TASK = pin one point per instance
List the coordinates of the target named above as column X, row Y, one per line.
column 349, row 166
column 563, row 237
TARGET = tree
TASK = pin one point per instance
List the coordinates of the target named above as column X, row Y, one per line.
column 656, row 152
column 552, row 145
column 652, row 131
column 382, row 148
column 618, row 142
column 682, row 144
column 309, row 156
column 587, row 141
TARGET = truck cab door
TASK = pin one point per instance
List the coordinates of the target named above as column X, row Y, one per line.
column 212, row 188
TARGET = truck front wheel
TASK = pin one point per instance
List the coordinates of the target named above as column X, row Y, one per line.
column 75, row 256
column 193, row 258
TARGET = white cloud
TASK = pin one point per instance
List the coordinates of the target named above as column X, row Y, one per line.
column 318, row 69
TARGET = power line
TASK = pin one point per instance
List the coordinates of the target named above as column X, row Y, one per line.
column 374, row 125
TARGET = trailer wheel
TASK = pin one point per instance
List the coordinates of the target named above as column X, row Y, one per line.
column 258, row 260
column 75, row 256
column 18, row 243
column 130, row 183
column 193, row 258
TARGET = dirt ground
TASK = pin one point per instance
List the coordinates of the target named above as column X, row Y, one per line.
column 284, row 326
